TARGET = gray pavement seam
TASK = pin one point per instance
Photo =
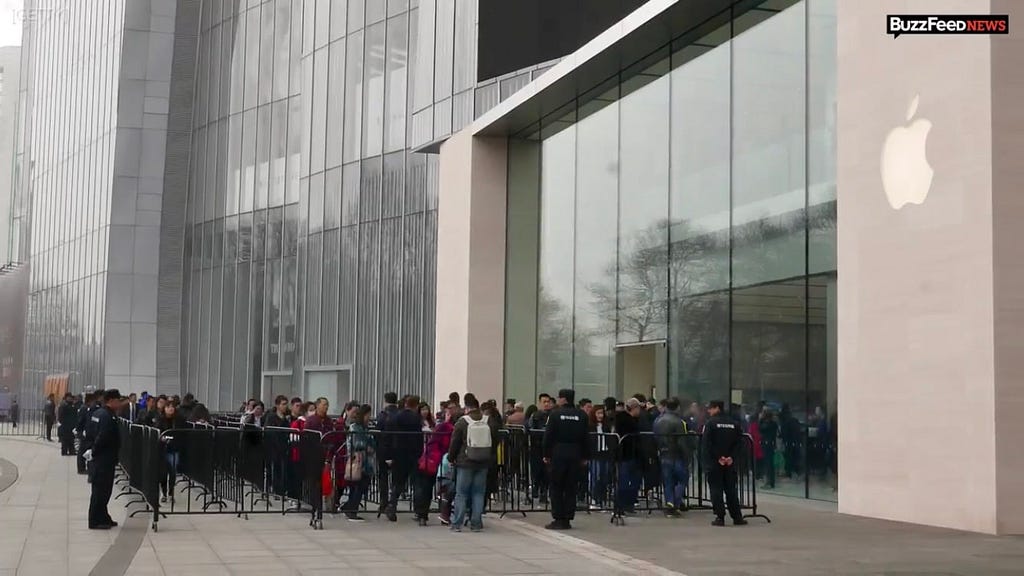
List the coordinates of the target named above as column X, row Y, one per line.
column 116, row 560
column 8, row 474
column 590, row 550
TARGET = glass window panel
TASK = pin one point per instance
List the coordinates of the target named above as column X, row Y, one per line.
column 275, row 231
column 230, row 239
column 323, row 23
column 339, row 15
column 252, row 58
column 768, row 168
column 393, row 187
column 643, row 209
column 444, row 48
column 353, row 95
column 295, row 53
column 332, row 198
column 350, row 194
column 329, row 300
column 296, row 132
column 263, row 137
column 347, row 294
column 309, row 25
column 316, row 202
column 423, row 56
column 464, row 76
column 597, row 197
column 397, row 81
column 291, row 230
column 248, row 187
column 375, row 11
column 227, row 335
column 397, row 7
column 288, row 292
column 282, row 43
column 259, row 235
column 821, row 130
column 415, row 183
column 369, row 189
column 312, row 304
column 278, row 149
column 272, row 320
column 373, row 104
column 266, row 82
column 356, row 11
column 255, row 368
column 319, row 125
column 699, row 224
column 336, row 103
column 238, row 65
column 555, row 289
column 306, row 107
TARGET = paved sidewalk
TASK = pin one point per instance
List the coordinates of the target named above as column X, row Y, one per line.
column 41, row 535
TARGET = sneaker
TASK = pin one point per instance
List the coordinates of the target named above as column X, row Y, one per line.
column 740, row 522
column 718, row 522
column 353, row 517
column 163, row 499
column 392, row 517
column 556, row 525
column 456, row 528
column 445, row 521
column 476, row 528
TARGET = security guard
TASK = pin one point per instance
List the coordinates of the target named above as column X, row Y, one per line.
column 93, row 402
column 723, row 441
column 103, row 435
column 566, row 450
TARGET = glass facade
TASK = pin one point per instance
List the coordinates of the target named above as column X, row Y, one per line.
column 65, row 157
column 311, row 227
column 672, row 232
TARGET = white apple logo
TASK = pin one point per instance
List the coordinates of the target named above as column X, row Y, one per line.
column 906, row 174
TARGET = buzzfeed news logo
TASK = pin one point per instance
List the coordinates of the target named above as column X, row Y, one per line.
column 897, row 24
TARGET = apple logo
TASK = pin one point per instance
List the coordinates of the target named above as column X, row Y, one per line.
column 906, row 174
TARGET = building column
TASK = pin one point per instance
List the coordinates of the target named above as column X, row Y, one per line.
column 931, row 272
column 470, row 329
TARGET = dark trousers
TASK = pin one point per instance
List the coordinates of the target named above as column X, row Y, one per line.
column 400, row 474
column 722, row 480
column 565, row 481
column 80, row 460
column 102, row 487
column 769, row 466
column 539, row 476
column 383, row 483
column 49, row 429
column 355, row 494
column 423, row 492
column 67, row 444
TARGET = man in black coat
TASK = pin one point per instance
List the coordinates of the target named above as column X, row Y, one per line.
column 84, row 412
column 404, row 433
column 67, row 417
column 566, row 450
column 723, row 442
column 103, row 434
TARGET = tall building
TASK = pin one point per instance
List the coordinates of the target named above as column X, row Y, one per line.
column 710, row 200
column 10, row 76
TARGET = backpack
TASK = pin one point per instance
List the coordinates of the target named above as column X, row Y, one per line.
column 478, row 440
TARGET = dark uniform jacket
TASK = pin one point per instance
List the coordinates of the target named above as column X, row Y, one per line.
column 68, row 417
column 566, row 436
column 104, row 437
column 723, row 436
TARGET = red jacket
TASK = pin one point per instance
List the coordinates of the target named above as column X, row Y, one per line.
column 755, row 436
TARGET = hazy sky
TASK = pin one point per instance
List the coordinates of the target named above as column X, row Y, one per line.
column 10, row 22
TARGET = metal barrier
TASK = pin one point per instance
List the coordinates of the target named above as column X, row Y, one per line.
column 246, row 470
column 24, row 422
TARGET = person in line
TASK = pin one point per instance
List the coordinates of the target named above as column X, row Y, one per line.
column 518, row 415
column 539, row 472
column 439, row 443
column 105, row 441
column 67, row 417
column 389, row 411
column 769, row 431
column 170, row 420
column 566, row 450
column 587, row 405
column 627, row 428
column 602, row 445
column 256, row 417
column 276, row 442
column 426, row 469
column 281, row 416
column 675, row 451
column 723, row 441
column 15, row 413
column 471, row 450
column 404, row 433
column 359, row 468
column 50, row 416
column 320, row 421
column 149, row 415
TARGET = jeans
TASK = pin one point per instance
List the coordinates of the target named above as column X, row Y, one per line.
column 629, row 486
column 674, row 478
column 470, row 484
column 599, row 470
column 168, row 481
column 355, row 494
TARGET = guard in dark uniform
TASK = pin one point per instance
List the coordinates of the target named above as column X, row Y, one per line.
column 103, row 435
column 723, row 441
column 85, row 411
column 566, row 450
column 67, row 417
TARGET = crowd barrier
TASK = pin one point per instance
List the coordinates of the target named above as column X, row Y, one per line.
column 241, row 469
column 23, row 422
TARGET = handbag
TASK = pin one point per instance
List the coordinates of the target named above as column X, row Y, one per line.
column 354, row 467
column 326, row 489
column 429, row 463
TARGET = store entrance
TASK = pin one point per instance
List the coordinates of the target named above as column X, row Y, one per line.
column 641, row 368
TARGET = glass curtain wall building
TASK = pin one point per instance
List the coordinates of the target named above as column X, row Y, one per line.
column 671, row 232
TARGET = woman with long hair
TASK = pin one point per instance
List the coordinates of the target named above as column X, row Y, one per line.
column 170, row 420
column 602, row 444
column 361, row 461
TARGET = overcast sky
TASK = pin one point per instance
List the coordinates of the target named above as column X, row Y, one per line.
column 10, row 22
